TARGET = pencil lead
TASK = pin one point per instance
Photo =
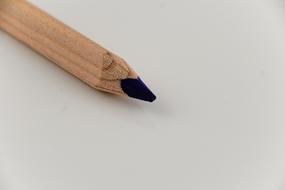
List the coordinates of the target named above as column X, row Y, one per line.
column 135, row 88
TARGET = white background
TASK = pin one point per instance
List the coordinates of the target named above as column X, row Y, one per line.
column 217, row 67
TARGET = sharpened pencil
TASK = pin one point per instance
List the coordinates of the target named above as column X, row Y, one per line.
column 70, row 50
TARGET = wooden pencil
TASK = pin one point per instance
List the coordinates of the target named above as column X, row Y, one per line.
column 70, row 50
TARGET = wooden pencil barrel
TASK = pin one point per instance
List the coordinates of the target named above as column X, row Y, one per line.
column 64, row 46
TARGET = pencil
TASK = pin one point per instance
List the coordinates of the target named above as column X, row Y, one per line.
column 70, row 50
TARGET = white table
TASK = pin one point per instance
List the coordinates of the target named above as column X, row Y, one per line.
column 218, row 68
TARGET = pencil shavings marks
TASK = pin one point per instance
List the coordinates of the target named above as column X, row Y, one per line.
column 107, row 60
column 114, row 68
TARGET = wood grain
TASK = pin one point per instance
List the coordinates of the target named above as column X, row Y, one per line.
column 69, row 49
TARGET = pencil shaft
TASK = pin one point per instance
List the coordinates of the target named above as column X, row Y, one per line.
column 67, row 48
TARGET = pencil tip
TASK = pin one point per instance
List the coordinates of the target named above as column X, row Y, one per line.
column 135, row 88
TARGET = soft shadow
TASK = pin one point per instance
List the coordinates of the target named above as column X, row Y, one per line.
column 159, row 107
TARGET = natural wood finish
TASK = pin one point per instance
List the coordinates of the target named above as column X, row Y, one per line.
column 67, row 48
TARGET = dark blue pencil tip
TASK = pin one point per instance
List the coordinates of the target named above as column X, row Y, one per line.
column 135, row 88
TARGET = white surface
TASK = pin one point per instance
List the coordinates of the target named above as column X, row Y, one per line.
column 218, row 68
